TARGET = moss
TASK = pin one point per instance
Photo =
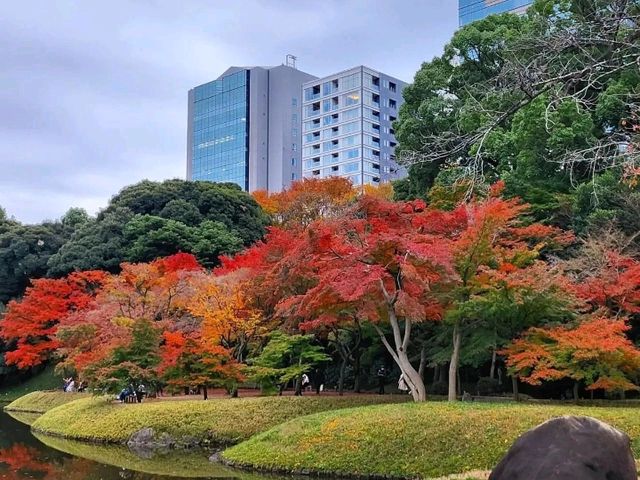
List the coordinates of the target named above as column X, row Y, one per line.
column 41, row 402
column 412, row 440
column 218, row 421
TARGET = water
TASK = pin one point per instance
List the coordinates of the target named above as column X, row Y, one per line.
column 24, row 455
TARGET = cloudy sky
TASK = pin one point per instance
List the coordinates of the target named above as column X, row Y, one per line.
column 93, row 93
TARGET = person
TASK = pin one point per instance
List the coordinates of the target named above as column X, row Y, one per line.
column 70, row 386
column 305, row 381
column 381, row 374
column 124, row 393
column 318, row 380
column 82, row 386
column 402, row 384
column 140, row 393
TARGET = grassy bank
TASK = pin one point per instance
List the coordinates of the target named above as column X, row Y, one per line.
column 45, row 380
column 218, row 421
column 41, row 402
column 427, row 440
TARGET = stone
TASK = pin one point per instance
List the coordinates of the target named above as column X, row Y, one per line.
column 569, row 448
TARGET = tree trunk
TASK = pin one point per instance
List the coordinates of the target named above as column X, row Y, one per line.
column 205, row 392
column 423, row 362
column 356, row 373
column 343, row 367
column 453, row 366
column 399, row 353
column 514, row 385
column 492, row 371
column 576, row 387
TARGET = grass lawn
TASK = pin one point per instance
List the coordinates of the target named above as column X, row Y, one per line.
column 219, row 421
column 427, row 440
column 45, row 380
column 41, row 402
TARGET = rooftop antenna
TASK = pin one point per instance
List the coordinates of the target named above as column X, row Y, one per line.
column 291, row 60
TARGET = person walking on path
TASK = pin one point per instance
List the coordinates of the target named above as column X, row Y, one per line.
column 381, row 374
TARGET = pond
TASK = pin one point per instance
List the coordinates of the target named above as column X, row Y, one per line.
column 24, row 455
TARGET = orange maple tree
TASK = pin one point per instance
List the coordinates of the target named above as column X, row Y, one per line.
column 596, row 351
column 307, row 200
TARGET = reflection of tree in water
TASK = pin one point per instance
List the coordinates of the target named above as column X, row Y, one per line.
column 20, row 461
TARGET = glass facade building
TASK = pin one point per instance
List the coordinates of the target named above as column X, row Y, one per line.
column 347, row 126
column 244, row 127
column 220, row 130
column 472, row 10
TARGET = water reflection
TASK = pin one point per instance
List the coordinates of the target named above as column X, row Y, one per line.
column 27, row 456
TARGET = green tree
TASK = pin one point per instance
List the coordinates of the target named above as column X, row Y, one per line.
column 284, row 359
column 511, row 97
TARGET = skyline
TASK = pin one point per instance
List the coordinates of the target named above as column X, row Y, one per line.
column 93, row 97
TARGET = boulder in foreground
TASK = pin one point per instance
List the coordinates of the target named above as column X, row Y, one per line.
column 569, row 448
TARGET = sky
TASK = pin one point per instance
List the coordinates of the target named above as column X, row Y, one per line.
column 93, row 94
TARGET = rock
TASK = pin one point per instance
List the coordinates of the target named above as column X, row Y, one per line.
column 215, row 457
column 569, row 448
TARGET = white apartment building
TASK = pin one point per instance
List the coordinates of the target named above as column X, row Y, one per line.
column 347, row 126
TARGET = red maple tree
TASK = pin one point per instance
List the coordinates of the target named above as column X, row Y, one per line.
column 30, row 324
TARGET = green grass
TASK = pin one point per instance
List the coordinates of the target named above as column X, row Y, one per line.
column 427, row 440
column 45, row 380
column 41, row 402
column 218, row 421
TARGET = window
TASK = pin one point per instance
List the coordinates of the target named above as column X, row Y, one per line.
column 392, row 118
column 316, row 172
column 312, row 93
column 351, row 81
column 334, row 168
column 392, row 86
column 310, row 125
column 294, row 147
column 330, row 119
column 315, row 106
column 293, row 162
column 353, row 153
column 330, row 87
column 375, row 81
column 352, row 98
column 312, row 137
column 294, row 102
column 293, row 175
column 392, row 103
column 350, row 114
column 351, row 167
column 351, row 140
column 350, row 127
column 294, row 117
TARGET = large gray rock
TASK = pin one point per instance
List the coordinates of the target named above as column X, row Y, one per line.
column 569, row 448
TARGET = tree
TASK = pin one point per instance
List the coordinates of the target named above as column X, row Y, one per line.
column 596, row 351
column 131, row 308
column 380, row 263
column 543, row 122
column 307, row 200
column 154, row 219
column 30, row 325
column 195, row 362
column 24, row 253
column 228, row 318
column 284, row 359
column 493, row 239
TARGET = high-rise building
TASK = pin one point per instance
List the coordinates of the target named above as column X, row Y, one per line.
column 347, row 126
column 472, row 10
column 244, row 127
